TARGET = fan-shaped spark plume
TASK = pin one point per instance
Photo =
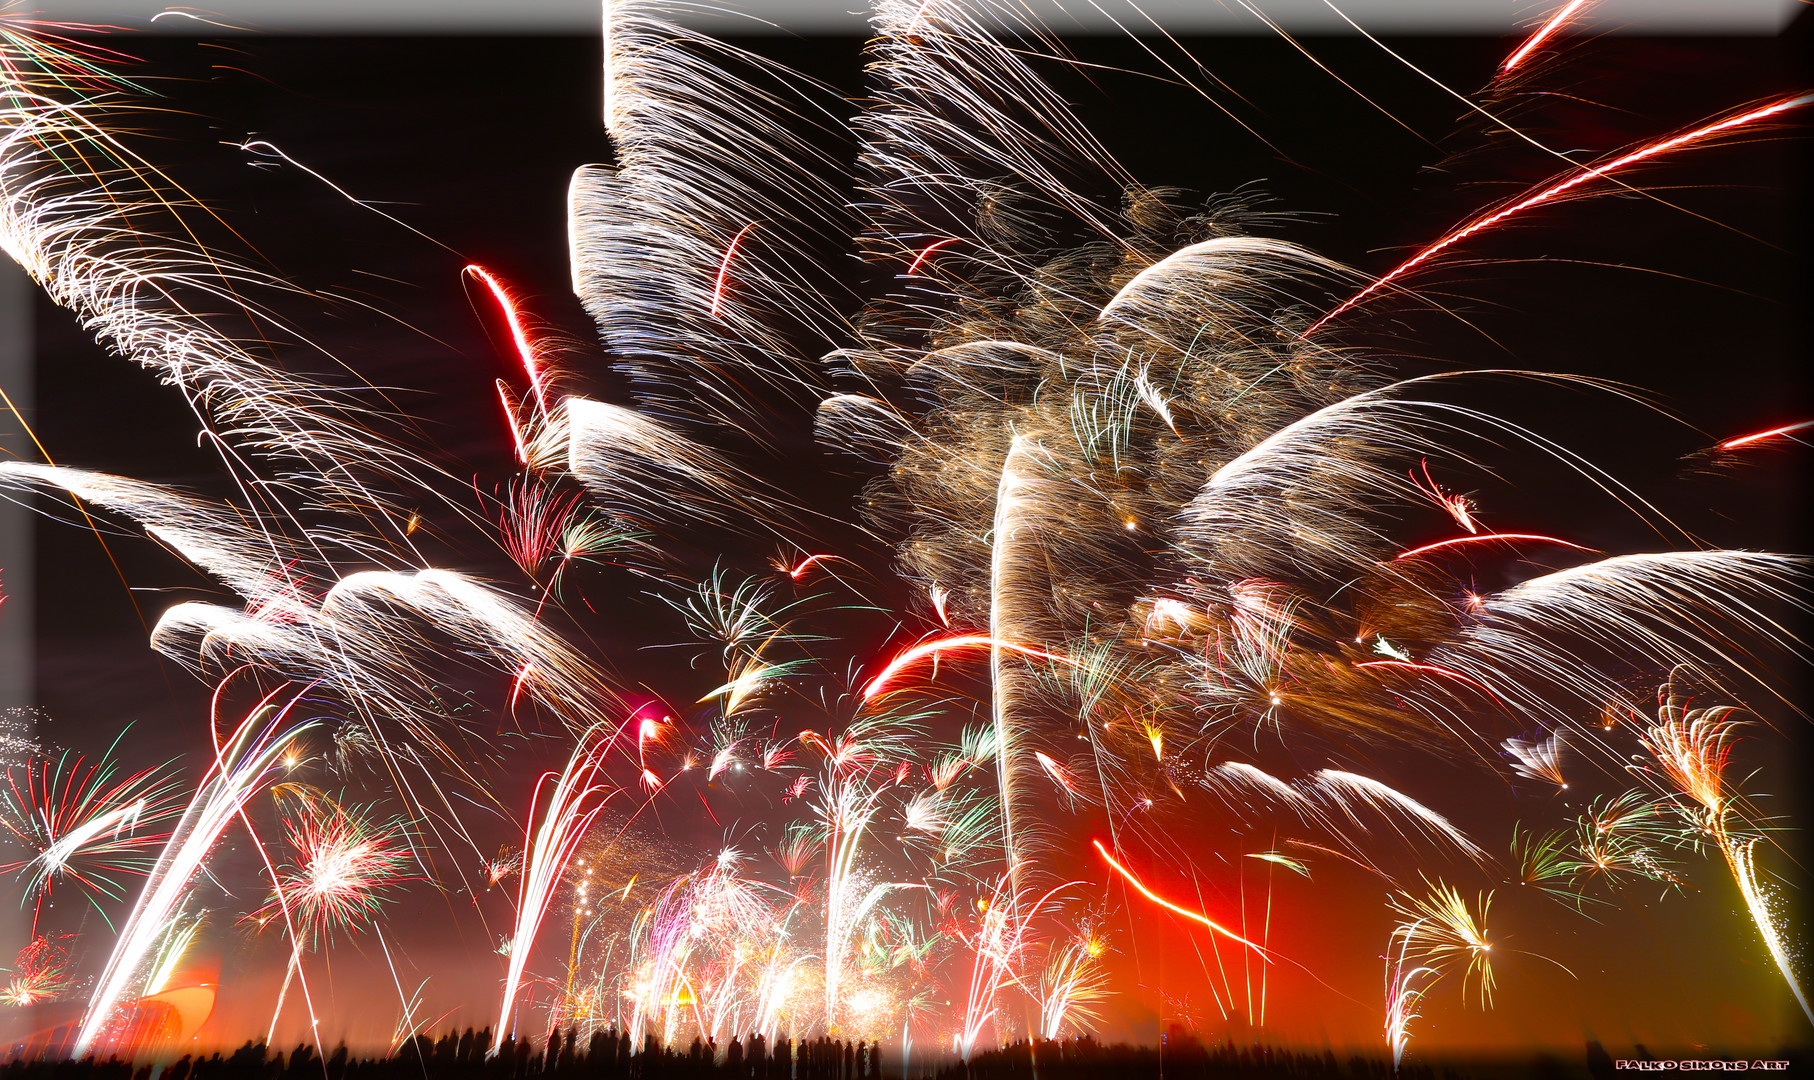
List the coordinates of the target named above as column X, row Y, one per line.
column 243, row 760
column 1538, row 759
column 1442, row 931
column 577, row 796
column 1692, row 748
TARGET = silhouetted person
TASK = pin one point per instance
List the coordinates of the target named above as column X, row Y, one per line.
column 301, row 1059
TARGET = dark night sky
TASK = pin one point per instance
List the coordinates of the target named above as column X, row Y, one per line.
column 472, row 142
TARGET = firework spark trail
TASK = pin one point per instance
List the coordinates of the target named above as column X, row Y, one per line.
column 635, row 466
column 906, row 658
column 84, row 824
column 1325, row 528
column 342, row 633
column 1692, row 748
column 1195, row 916
column 1166, row 345
column 1538, row 759
column 241, row 764
column 1219, row 265
column 1347, row 787
column 1403, row 993
column 519, row 334
column 1664, row 606
column 847, row 810
column 1773, row 433
column 1070, row 989
column 850, row 812
column 665, row 937
column 80, row 235
column 1483, row 537
column 41, row 972
column 1557, row 188
column 1013, row 550
column 690, row 948
column 1549, row 29
column 1758, row 903
column 79, row 231
column 696, row 164
column 346, row 865
column 1442, row 930
column 362, row 638
column 998, row 948
column 173, row 947
column 214, row 537
column 578, row 796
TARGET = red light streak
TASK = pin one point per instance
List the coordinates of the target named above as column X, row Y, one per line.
column 1414, row 552
column 724, row 268
column 1544, row 33
column 807, row 562
column 516, row 687
column 914, row 266
column 1550, row 191
column 1746, row 440
column 519, row 336
column 1128, row 875
column 966, row 641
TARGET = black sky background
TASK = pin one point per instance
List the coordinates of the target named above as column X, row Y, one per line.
column 472, row 141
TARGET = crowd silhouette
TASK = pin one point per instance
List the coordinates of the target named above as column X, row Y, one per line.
column 1179, row 1056
column 611, row 1055
column 603, row 1055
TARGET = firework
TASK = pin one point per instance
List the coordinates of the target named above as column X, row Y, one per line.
column 243, row 760
column 1404, row 990
column 999, row 945
column 41, row 972
column 1071, row 989
column 1567, row 183
column 1442, row 931
column 1169, row 906
column 1692, row 748
column 85, row 823
column 1107, row 441
column 1538, row 759
column 1549, row 862
column 576, row 799
column 345, row 865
